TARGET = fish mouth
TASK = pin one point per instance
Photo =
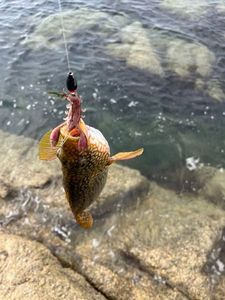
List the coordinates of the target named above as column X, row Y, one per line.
column 73, row 135
column 78, row 135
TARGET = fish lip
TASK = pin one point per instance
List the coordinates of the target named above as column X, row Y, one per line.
column 64, row 132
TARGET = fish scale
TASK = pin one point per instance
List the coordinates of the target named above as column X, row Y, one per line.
column 84, row 154
column 84, row 174
column 84, row 170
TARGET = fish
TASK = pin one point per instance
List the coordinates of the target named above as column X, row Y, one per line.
column 85, row 158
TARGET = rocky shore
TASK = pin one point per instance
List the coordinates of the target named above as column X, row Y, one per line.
column 147, row 242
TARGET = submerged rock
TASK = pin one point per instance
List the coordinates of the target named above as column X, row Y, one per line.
column 192, row 9
column 187, row 8
column 212, row 88
column 136, row 49
column 215, row 90
column 185, row 57
column 214, row 188
column 48, row 33
column 221, row 6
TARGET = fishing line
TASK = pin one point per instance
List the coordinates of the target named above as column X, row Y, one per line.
column 67, row 56
column 64, row 35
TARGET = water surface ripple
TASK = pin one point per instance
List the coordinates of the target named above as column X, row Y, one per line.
column 150, row 74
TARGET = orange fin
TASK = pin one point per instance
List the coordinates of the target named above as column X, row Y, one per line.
column 46, row 151
column 126, row 155
column 84, row 219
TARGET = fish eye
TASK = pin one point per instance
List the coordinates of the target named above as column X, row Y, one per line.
column 71, row 82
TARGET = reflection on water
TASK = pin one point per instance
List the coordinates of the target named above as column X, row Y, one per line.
column 150, row 74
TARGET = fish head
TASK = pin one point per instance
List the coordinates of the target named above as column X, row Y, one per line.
column 84, row 137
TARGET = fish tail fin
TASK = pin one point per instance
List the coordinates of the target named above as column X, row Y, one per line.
column 126, row 155
column 84, row 219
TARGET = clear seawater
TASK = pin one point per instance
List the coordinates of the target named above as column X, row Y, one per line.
column 173, row 114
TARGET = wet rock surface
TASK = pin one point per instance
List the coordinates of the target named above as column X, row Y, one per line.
column 147, row 242
column 30, row 271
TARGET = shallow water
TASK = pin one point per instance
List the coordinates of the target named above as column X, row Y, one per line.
column 150, row 74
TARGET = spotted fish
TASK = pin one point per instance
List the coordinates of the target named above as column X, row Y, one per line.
column 84, row 154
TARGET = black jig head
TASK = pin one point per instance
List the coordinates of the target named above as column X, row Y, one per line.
column 71, row 83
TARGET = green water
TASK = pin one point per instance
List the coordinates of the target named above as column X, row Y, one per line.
column 150, row 75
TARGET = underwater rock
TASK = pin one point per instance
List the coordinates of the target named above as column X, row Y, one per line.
column 48, row 33
column 185, row 57
column 186, row 8
column 136, row 49
column 206, row 182
column 193, row 9
column 214, row 188
column 221, row 6
column 215, row 90
column 212, row 88
column 200, row 84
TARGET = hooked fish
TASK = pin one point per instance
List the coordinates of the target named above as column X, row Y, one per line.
column 84, row 154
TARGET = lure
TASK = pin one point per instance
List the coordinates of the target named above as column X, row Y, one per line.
column 84, row 154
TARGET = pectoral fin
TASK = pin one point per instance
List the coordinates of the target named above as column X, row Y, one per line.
column 126, row 155
column 46, row 151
